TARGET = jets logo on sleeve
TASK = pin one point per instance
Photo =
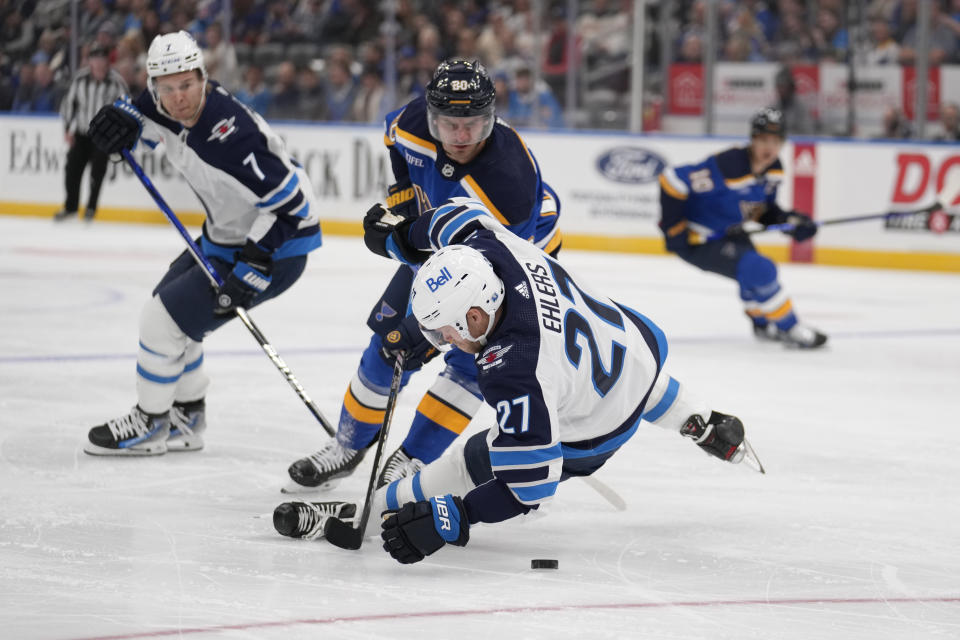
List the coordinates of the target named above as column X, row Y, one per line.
column 222, row 129
column 493, row 357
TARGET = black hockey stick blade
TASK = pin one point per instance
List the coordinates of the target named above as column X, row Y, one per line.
column 342, row 534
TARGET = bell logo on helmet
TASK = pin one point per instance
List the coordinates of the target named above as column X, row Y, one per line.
column 435, row 283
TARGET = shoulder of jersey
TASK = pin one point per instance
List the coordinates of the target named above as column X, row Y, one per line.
column 414, row 119
column 734, row 162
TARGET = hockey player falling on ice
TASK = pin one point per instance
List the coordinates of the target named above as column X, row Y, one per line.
column 734, row 193
column 447, row 144
column 569, row 372
column 261, row 223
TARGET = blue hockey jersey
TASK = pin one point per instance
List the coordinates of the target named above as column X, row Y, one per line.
column 243, row 176
column 710, row 196
column 505, row 176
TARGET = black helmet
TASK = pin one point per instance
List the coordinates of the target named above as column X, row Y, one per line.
column 769, row 120
column 461, row 88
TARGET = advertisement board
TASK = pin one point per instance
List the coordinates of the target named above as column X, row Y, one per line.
column 607, row 185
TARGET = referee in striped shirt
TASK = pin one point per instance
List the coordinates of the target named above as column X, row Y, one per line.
column 93, row 87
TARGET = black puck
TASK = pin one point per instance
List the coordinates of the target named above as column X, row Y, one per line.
column 544, row 564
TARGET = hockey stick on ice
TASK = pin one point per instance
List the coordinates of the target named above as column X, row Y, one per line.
column 339, row 533
column 217, row 281
column 607, row 492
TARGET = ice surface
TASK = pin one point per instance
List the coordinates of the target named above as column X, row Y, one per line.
column 852, row 534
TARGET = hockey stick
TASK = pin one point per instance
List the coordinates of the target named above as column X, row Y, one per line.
column 217, row 282
column 789, row 226
column 607, row 492
column 339, row 533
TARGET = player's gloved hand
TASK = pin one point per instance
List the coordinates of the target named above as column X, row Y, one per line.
column 743, row 229
column 116, row 126
column 250, row 276
column 385, row 228
column 420, row 528
column 803, row 227
column 409, row 340
column 720, row 437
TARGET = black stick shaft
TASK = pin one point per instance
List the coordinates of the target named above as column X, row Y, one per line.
column 217, row 281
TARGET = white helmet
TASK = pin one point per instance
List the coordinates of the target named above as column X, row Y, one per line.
column 173, row 53
column 447, row 285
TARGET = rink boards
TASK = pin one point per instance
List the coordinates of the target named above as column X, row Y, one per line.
column 607, row 184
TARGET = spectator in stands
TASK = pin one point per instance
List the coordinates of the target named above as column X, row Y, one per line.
column 743, row 22
column 220, row 57
column 793, row 42
column 340, row 91
column 46, row 95
column 942, row 41
column 371, row 103
column 16, row 34
column 797, row 117
column 895, row 125
column 829, row 37
column 24, row 91
column 254, row 92
column 7, row 89
column 950, row 123
column 737, row 48
column 557, row 56
column 285, row 103
column 491, row 43
column 531, row 106
column 691, row 48
column 501, row 87
column 312, row 106
column 92, row 16
column 882, row 49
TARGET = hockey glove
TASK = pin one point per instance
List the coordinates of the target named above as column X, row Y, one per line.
column 409, row 340
column 420, row 528
column 116, row 127
column 803, row 227
column 719, row 437
column 250, row 276
column 385, row 228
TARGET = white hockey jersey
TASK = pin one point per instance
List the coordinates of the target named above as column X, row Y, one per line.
column 567, row 370
column 242, row 174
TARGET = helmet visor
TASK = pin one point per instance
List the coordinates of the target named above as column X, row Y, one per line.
column 460, row 130
column 435, row 336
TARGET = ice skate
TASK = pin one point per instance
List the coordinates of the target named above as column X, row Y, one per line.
column 801, row 336
column 136, row 434
column 63, row 214
column 398, row 465
column 765, row 332
column 324, row 469
column 187, row 424
column 307, row 519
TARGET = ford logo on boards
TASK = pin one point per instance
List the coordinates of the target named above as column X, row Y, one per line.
column 630, row 164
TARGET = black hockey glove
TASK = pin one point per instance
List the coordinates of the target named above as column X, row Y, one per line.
column 719, row 437
column 385, row 228
column 250, row 276
column 409, row 340
column 420, row 528
column 803, row 227
column 116, row 126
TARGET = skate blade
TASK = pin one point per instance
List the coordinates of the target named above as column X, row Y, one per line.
column 296, row 488
column 745, row 453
